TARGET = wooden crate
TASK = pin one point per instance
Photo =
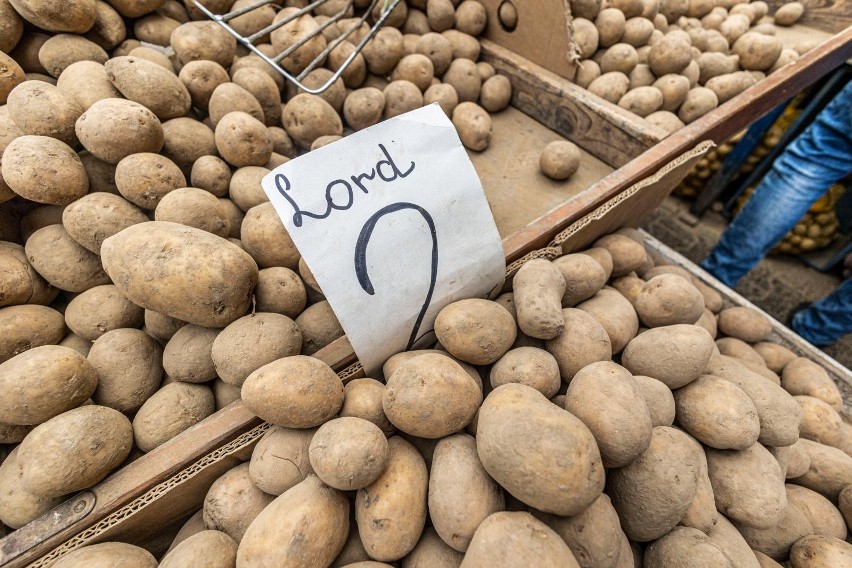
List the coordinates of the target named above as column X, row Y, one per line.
column 629, row 167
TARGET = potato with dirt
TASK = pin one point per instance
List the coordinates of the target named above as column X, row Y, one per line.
column 44, row 169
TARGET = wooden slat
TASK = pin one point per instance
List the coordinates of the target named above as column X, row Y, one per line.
column 717, row 125
column 601, row 128
column 828, row 15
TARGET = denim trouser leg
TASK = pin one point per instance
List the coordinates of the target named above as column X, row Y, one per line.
column 811, row 164
column 827, row 320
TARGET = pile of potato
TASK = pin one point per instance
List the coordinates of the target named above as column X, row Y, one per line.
column 605, row 413
column 672, row 61
column 143, row 272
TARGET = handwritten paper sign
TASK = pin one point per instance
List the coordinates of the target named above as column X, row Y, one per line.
column 394, row 225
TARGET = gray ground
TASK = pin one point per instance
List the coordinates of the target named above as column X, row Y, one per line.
column 778, row 284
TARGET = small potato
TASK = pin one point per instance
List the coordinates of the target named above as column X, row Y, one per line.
column 529, row 366
column 730, row 85
column 61, row 50
column 787, row 56
column 417, row 69
column 641, row 76
column 674, row 89
column 496, row 93
column 155, row 28
column 153, row 56
column 621, row 57
column 476, row 331
column 206, row 549
column 676, row 354
column 789, row 13
column 129, row 367
column 606, row 398
column 203, row 40
column 745, row 324
column 830, row 469
column 610, row 86
column 538, row 290
column 92, row 219
column 802, row 376
column 41, row 109
column 23, row 327
column 611, row 24
column 417, row 399
column 668, row 299
column 62, row 262
column 686, row 546
column 438, row 49
column 105, row 130
column 774, row 356
column 713, row 64
column 627, row 255
column 665, row 476
column 307, row 117
column 86, row 82
column 11, row 27
column 108, row 554
column 319, row 327
column 294, row 392
column 391, row 512
column 73, row 450
column 99, row 310
column 251, row 342
column 242, row 140
column 160, row 326
column 11, row 76
column 401, row 97
column 757, row 52
column 699, row 101
column 560, row 160
column 145, row 178
column 280, row 460
column 440, row 14
column 470, row 17
column 615, row 314
column 820, row 422
column 348, row 453
column 669, row 55
column 299, row 29
column 233, row 502
column 280, row 290
column 245, row 189
column 44, row 170
column 586, row 37
column 464, row 77
column 430, row 551
column 584, row 277
column 515, row 539
column 363, row 399
column 170, row 411
column 637, row 31
column 659, row 399
column 591, row 547
column 264, row 90
column 364, row 107
column 509, row 441
column 265, row 238
column 201, row 79
column 193, row 207
column 187, row 355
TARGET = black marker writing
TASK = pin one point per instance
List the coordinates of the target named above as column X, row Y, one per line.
column 361, row 258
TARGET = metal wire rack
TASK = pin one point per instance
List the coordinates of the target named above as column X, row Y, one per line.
column 249, row 42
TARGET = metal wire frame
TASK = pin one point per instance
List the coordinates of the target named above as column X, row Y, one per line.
column 248, row 42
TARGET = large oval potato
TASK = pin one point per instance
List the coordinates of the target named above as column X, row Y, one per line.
column 590, row 535
column 112, row 129
column 476, row 331
column 99, row 310
column 538, row 289
column 825, row 518
column 170, row 411
column 206, row 280
column 829, row 472
column 63, row 262
column 28, row 326
column 802, row 376
column 519, row 432
column 17, row 505
column 718, row 413
column 674, row 354
column 615, row 314
column 775, row 542
column 253, row 341
column 391, row 512
column 129, row 366
column 583, row 275
column 44, row 170
column 42, row 109
column 817, row 551
column 74, row 450
column 97, row 216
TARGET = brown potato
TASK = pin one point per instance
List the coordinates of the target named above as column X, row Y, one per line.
column 363, row 399
column 44, row 170
column 717, row 413
column 97, row 216
column 86, row 82
column 63, row 262
column 186, row 140
column 201, row 79
column 829, row 472
column 194, row 207
column 232, row 503
column 251, row 342
column 280, row 460
column 61, row 50
column 757, row 52
column 160, row 326
column 802, row 376
column 242, row 140
column 615, row 314
column 676, row 354
column 105, row 131
column 307, row 117
column 745, row 324
column 686, row 546
column 668, row 299
column 99, row 310
column 610, row 23
column 665, row 120
column 496, row 93
column 364, row 107
column 658, row 397
column 820, row 422
column 530, row 366
column 23, row 327
column 593, row 547
column 401, row 97
column 129, row 367
column 319, row 327
column 108, row 555
column 280, row 290
column 230, row 97
column 437, row 48
column 170, row 411
column 476, row 331
column 41, row 109
column 383, row 51
column 11, row 76
column 291, row 33
column 187, row 355
column 583, row 275
column 204, row 40
column 18, row 506
column 538, row 289
column 822, row 514
column 348, row 453
column 145, row 178
column 699, row 101
column 674, row 89
column 266, row 239
column 560, row 160
column 11, row 27
column 621, row 57
column 641, row 76
column 776, row 541
column 206, row 549
column 610, row 86
column 817, row 551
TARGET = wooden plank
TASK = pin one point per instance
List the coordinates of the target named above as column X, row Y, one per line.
column 149, row 470
column 717, row 125
column 828, row 15
column 515, row 188
column 601, row 128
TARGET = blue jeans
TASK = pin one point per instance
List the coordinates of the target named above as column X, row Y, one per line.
column 817, row 159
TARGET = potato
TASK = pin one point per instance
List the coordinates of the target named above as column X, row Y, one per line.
column 263, row 90
column 476, row 331
column 129, row 367
column 560, row 160
column 77, row 16
column 728, row 539
column 92, row 219
column 798, row 460
column 73, row 450
column 718, row 413
column 307, row 117
column 738, row 349
column 669, row 55
column 383, row 51
column 396, row 361
column 787, row 56
column 702, row 513
column 101, row 309
column 821, row 513
column 201, row 79
column 306, row 393
column 610, row 23
column 206, row 549
column 779, row 413
column 363, row 399
column 19, row 280
column 23, row 327
column 667, row 121
column 242, row 140
column 280, row 460
column 583, row 275
column 11, row 27
column 194, row 207
column 108, row 555
column 817, row 551
column 538, row 290
column 610, row 86
column 348, row 453
column 364, row 107
column 17, row 506
column 169, row 411
column 86, row 82
column 430, row 551
column 41, row 109
column 187, row 355
column 802, row 376
column 152, row 55
column 615, row 314
column 11, row 75
column 589, row 534
column 145, row 179
column 245, row 189
column 496, row 93
column 63, row 262
column 280, row 290
column 699, row 101
column 417, row 399
column 43, row 382
column 637, row 31
column 291, row 33
column 606, row 398
column 220, row 296
column 416, row 68
column 473, row 125
column 391, row 512
column 820, row 422
column 586, row 37
column 629, row 286
column 186, row 140
column 658, row 397
column 61, row 50
column 789, row 13
column 529, row 366
column 845, row 504
column 160, row 326
column 665, row 476
column 156, row 28
column 674, row 89
column 105, row 131
column 205, row 40
column 830, row 469
column 319, row 327
column 744, row 323
column 641, row 76
column 265, row 238
column 668, row 299
column 757, row 52
column 621, row 57
column 627, row 255
column 516, row 539
column 44, row 170
column 510, row 443
column 232, row 503
column 776, row 541
column 685, row 546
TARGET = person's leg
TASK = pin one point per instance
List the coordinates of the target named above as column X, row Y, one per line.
column 812, row 163
column 827, row 320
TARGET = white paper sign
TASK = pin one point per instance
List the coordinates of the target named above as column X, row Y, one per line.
column 394, row 225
